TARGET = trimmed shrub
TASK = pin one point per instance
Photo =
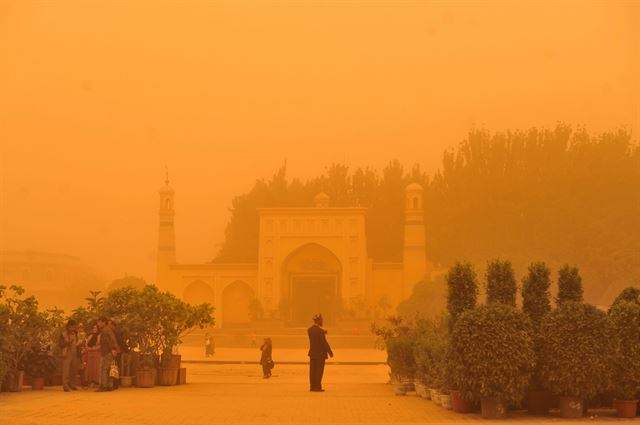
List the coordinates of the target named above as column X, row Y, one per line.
column 501, row 283
column 575, row 351
column 535, row 293
column 462, row 289
column 491, row 353
column 630, row 294
column 400, row 356
column 569, row 285
column 625, row 320
column 429, row 353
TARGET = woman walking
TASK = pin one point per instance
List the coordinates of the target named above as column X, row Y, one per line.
column 265, row 359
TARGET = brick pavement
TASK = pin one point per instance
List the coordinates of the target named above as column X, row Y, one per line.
column 236, row 394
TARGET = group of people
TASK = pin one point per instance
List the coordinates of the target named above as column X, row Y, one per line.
column 90, row 354
column 319, row 351
column 94, row 354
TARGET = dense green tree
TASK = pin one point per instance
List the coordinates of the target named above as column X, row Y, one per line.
column 462, row 290
column 559, row 194
column 501, row 283
column 535, row 292
column 569, row 285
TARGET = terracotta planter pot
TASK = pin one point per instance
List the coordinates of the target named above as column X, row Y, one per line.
column 445, row 401
column 492, row 408
column 399, row 388
column 37, row 383
column 13, row 381
column 182, row 376
column 126, row 381
column 145, row 378
column 571, row 407
column 538, row 402
column 459, row 404
column 626, row 408
column 167, row 376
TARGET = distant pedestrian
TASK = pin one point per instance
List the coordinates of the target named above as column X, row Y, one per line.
column 209, row 345
column 266, row 360
column 69, row 346
column 108, row 350
column 319, row 349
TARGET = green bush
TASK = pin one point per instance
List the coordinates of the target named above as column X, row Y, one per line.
column 575, row 351
column 535, row 293
column 630, row 294
column 491, row 353
column 400, row 356
column 429, row 352
column 501, row 283
column 625, row 320
column 462, row 290
column 569, row 285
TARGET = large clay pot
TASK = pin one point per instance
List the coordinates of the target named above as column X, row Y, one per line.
column 37, row 383
column 145, row 378
column 13, row 381
column 399, row 388
column 182, row 376
column 126, row 381
column 460, row 404
column 492, row 408
column 571, row 407
column 538, row 402
column 626, row 408
column 167, row 376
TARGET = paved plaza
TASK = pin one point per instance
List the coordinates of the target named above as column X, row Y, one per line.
column 237, row 394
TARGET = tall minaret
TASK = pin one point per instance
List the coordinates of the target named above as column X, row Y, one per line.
column 415, row 259
column 166, row 237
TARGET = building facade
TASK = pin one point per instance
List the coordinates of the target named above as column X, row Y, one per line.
column 309, row 260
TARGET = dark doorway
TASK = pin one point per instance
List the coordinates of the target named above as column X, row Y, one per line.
column 312, row 294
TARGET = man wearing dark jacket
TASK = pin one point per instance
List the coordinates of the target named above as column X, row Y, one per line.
column 319, row 349
column 108, row 350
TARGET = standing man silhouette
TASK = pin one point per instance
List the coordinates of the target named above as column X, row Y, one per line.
column 319, row 349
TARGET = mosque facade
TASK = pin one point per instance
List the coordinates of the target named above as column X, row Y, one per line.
column 309, row 260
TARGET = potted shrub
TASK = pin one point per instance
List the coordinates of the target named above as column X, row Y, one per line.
column 492, row 358
column 462, row 290
column 536, row 305
column 575, row 355
column 500, row 283
column 625, row 320
column 38, row 366
column 24, row 326
column 401, row 361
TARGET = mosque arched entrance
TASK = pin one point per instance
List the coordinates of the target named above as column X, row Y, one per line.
column 198, row 292
column 236, row 299
column 311, row 284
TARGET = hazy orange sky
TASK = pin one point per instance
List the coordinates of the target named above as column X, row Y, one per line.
column 96, row 97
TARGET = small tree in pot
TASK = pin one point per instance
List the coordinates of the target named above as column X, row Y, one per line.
column 462, row 290
column 501, row 283
column 38, row 365
column 575, row 354
column 492, row 357
column 24, row 327
column 625, row 319
column 569, row 285
column 536, row 304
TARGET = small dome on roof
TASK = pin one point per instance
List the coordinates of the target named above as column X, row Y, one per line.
column 414, row 187
column 321, row 200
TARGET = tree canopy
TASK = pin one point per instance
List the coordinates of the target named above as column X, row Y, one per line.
column 559, row 195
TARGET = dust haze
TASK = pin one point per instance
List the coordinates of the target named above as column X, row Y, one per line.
column 97, row 98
